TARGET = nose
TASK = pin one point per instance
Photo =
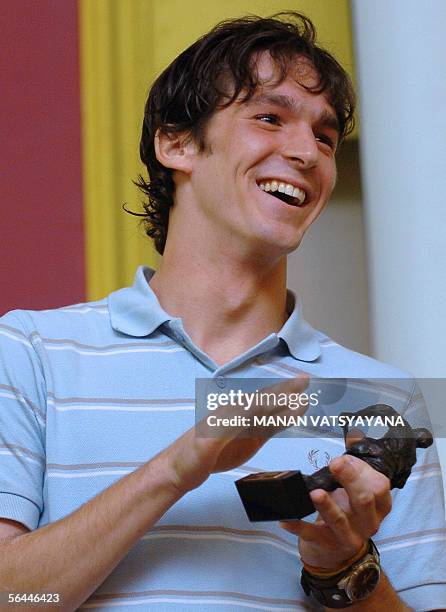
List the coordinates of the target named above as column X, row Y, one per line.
column 300, row 146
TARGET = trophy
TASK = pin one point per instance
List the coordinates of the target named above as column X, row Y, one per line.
column 277, row 496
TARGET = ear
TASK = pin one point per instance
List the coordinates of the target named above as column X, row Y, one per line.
column 175, row 150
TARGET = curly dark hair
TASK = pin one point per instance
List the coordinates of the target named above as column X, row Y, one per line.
column 211, row 74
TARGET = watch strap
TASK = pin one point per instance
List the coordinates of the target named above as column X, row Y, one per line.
column 327, row 590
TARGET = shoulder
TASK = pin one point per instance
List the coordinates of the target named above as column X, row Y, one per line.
column 342, row 361
column 76, row 321
column 370, row 381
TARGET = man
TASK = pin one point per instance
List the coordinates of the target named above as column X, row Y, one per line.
column 107, row 494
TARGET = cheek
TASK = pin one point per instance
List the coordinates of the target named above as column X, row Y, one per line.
column 333, row 175
column 330, row 176
column 252, row 144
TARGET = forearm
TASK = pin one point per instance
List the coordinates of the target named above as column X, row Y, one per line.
column 383, row 599
column 73, row 556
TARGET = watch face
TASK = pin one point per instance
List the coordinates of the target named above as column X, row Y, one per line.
column 363, row 582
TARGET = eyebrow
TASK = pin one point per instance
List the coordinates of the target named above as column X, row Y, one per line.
column 326, row 118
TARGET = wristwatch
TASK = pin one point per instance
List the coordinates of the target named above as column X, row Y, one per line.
column 354, row 583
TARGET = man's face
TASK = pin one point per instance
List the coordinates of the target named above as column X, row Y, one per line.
column 283, row 138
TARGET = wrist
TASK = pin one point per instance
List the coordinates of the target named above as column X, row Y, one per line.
column 162, row 468
column 326, row 572
column 352, row 584
column 179, row 472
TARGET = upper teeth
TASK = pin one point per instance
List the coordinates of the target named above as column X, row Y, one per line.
column 286, row 188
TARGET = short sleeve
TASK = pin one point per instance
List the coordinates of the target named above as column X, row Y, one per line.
column 412, row 537
column 22, row 423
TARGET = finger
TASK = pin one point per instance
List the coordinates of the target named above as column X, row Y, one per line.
column 273, row 401
column 303, row 529
column 368, row 492
column 357, row 479
column 334, row 518
column 355, row 475
column 291, row 385
column 353, row 435
column 277, row 398
column 241, row 414
column 235, row 433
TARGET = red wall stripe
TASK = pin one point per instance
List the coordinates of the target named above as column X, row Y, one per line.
column 41, row 246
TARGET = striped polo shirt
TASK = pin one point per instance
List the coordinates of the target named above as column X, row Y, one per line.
column 92, row 391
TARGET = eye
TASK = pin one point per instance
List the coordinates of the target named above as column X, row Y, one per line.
column 270, row 118
column 324, row 139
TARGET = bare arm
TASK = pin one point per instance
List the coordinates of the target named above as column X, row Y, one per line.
column 383, row 599
column 88, row 543
column 74, row 555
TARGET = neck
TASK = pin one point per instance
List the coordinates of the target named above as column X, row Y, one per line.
column 227, row 304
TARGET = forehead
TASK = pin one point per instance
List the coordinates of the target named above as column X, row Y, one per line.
column 300, row 69
column 299, row 86
column 290, row 91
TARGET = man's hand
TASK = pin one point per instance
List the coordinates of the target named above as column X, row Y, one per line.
column 192, row 458
column 347, row 517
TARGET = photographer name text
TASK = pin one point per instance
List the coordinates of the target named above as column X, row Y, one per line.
column 304, row 421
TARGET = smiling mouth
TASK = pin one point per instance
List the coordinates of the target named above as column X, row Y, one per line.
column 286, row 192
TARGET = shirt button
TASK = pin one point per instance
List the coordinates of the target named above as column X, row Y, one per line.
column 221, row 382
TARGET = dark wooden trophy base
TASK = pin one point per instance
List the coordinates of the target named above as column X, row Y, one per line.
column 275, row 496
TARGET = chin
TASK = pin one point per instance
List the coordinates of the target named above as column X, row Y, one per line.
column 279, row 246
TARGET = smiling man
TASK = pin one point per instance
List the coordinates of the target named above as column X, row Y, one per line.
column 106, row 493
column 266, row 172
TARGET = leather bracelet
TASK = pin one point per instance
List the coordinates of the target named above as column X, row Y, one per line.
column 322, row 572
column 354, row 583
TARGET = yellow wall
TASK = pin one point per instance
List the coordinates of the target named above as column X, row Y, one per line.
column 124, row 45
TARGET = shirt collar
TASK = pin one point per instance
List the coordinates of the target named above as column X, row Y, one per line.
column 300, row 338
column 136, row 311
